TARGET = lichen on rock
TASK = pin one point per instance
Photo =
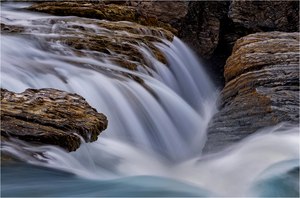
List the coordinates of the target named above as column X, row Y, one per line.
column 49, row 116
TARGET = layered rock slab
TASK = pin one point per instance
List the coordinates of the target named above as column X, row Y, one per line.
column 49, row 116
column 100, row 10
column 262, row 88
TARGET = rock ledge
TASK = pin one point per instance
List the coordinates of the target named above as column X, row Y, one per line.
column 262, row 87
column 49, row 116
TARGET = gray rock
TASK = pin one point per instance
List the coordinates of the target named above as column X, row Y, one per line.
column 262, row 88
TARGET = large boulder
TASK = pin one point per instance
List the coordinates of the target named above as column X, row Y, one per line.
column 262, row 88
column 49, row 116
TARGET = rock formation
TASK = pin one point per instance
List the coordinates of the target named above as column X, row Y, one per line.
column 260, row 16
column 212, row 27
column 10, row 29
column 201, row 27
column 261, row 75
column 98, row 10
column 170, row 12
column 117, row 40
column 262, row 87
column 49, row 116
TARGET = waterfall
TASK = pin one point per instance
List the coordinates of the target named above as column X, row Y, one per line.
column 156, row 128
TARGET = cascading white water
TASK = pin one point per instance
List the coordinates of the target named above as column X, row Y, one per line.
column 159, row 132
column 166, row 122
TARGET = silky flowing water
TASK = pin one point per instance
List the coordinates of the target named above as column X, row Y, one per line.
column 153, row 143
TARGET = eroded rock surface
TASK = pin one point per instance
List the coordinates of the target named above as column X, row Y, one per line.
column 11, row 28
column 49, row 116
column 170, row 12
column 266, row 15
column 98, row 10
column 212, row 27
column 118, row 43
column 202, row 25
column 262, row 87
column 120, row 38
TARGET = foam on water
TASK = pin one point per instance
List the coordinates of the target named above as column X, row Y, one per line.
column 155, row 130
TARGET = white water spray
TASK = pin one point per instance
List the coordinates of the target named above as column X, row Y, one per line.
column 159, row 132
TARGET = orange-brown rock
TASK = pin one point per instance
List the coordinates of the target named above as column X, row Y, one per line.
column 120, row 43
column 259, row 50
column 262, row 87
column 170, row 12
column 49, row 116
column 99, row 10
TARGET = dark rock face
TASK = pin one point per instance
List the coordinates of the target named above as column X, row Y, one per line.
column 260, row 16
column 262, row 87
column 212, row 27
column 49, row 116
column 202, row 25
column 170, row 12
column 202, row 30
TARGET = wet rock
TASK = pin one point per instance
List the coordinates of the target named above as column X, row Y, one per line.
column 201, row 25
column 117, row 43
column 202, row 30
column 121, row 44
column 119, row 40
column 11, row 28
column 49, row 116
column 99, row 10
column 170, row 12
column 260, row 16
column 212, row 27
column 262, row 88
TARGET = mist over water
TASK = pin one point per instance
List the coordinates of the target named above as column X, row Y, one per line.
column 153, row 143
